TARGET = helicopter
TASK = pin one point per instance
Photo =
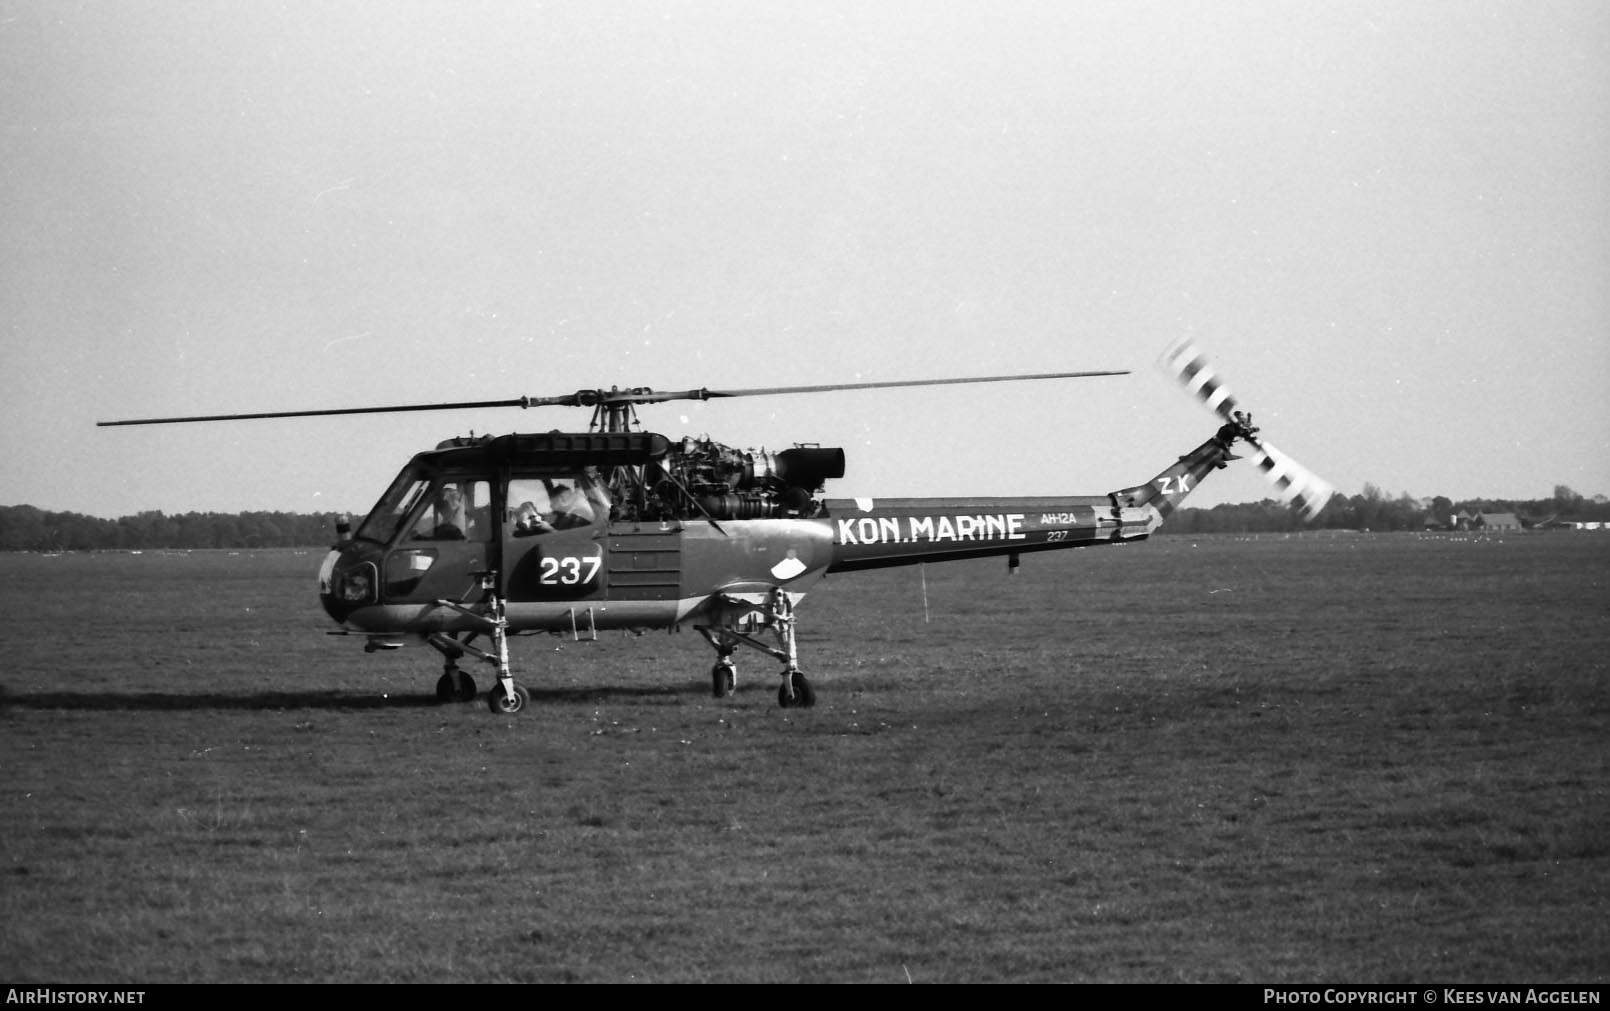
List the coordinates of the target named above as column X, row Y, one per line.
column 485, row 538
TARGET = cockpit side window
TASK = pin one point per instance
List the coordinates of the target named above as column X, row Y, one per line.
column 540, row 505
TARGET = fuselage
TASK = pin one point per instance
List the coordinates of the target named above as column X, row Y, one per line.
column 491, row 515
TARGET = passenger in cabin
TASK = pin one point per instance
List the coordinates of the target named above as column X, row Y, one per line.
column 597, row 493
column 570, row 506
column 529, row 507
column 560, row 503
column 528, row 520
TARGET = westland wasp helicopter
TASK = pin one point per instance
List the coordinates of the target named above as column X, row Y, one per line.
column 572, row 533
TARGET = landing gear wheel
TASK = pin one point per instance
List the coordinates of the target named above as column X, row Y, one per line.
column 505, row 704
column 723, row 680
column 803, row 695
column 455, row 686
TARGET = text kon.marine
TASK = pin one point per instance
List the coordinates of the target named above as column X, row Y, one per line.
column 909, row 529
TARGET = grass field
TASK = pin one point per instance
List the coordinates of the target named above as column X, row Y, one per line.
column 1328, row 759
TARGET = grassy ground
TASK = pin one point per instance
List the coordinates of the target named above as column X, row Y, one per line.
column 1324, row 759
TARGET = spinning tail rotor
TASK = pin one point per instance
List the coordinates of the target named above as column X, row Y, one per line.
column 1297, row 486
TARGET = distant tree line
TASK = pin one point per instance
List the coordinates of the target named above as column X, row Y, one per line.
column 25, row 528
column 1373, row 510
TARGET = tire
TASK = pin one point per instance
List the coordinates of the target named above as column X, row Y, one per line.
column 723, row 680
column 504, row 704
column 804, row 695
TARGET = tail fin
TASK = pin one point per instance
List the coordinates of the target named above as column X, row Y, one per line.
column 1165, row 491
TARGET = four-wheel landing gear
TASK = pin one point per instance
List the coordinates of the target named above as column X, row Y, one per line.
column 506, row 696
column 738, row 620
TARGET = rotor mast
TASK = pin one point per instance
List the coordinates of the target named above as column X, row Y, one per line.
column 614, row 410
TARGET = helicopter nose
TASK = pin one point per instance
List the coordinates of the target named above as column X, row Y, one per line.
column 327, row 584
column 348, row 580
column 327, row 571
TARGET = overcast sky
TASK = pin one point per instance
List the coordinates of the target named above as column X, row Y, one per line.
column 1388, row 223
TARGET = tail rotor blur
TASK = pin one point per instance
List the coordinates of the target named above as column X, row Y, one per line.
column 1297, row 486
column 1194, row 372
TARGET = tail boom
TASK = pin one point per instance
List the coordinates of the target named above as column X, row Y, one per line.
column 870, row 534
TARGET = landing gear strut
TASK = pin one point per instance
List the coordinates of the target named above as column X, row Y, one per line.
column 506, row 696
column 739, row 619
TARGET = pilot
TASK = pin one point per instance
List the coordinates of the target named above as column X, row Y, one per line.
column 450, row 520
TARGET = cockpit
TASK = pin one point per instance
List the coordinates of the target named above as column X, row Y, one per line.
column 421, row 506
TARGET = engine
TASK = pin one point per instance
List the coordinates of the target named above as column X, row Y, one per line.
column 726, row 483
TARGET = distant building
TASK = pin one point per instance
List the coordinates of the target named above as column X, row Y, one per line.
column 1496, row 521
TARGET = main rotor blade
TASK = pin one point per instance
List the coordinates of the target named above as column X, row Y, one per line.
column 831, row 387
column 522, row 402
column 593, row 398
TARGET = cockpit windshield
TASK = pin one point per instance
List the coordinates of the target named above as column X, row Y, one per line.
column 384, row 520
